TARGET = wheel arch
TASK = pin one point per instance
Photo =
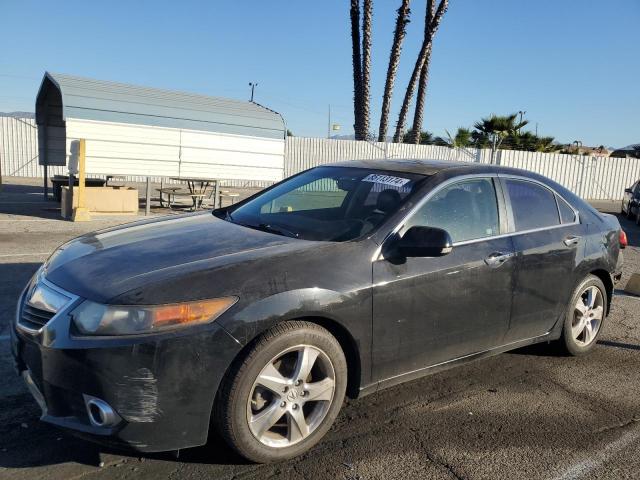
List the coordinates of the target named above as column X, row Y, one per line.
column 604, row 276
column 340, row 332
column 349, row 347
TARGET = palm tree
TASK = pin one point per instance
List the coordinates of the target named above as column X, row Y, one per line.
column 462, row 138
column 357, row 66
column 366, row 67
column 497, row 128
column 425, row 138
column 402, row 19
column 547, row 145
column 433, row 18
column 361, row 50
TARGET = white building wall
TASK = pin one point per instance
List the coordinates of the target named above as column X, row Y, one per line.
column 140, row 150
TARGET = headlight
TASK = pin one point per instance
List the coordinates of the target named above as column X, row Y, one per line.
column 96, row 319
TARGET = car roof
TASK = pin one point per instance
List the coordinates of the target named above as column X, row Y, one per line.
column 411, row 165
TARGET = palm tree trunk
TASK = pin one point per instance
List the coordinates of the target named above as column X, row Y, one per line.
column 418, row 114
column 433, row 18
column 357, row 65
column 411, row 88
column 366, row 68
column 394, row 60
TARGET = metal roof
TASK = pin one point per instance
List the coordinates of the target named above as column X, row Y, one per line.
column 89, row 99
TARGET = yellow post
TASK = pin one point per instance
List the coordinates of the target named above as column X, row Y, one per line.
column 80, row 213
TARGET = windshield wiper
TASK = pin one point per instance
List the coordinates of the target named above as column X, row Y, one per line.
column 277, row 230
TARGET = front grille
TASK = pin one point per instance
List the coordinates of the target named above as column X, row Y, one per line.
column 34, row 318
column 41, row 303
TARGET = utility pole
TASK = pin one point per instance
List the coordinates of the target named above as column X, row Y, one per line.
column 329, row 124
column 253, row 85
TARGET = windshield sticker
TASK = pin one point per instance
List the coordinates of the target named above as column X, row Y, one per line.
column 386, row 179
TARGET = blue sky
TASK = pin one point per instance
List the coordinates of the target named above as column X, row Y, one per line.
column 572, row 65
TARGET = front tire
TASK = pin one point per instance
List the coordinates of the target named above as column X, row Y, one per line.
column 282, row 396
column 585, row 317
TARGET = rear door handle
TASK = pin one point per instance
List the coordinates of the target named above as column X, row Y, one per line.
column 572, row 240
column 498, row 258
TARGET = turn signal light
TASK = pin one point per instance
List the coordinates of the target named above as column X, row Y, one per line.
column 623, row 239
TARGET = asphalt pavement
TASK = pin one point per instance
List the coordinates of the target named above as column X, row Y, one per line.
column 528, row 414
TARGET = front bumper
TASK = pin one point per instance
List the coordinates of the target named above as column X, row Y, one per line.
column 162, row 387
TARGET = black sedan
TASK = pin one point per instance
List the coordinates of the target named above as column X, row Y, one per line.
column 257, row 319
column 631, row 202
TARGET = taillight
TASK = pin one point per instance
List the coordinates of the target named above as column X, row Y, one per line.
column 623, row 239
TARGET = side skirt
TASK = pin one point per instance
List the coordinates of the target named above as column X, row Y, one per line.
column 439, row 367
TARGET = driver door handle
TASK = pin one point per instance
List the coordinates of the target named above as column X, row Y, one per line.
column 498, row 258
column 572, row 240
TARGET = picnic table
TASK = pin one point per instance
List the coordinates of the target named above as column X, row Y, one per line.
column 197, row 190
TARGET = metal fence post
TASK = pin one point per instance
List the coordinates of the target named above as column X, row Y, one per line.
column 582, row 174
column 147, row 202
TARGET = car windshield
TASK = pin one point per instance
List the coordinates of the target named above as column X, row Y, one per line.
column 328, row 203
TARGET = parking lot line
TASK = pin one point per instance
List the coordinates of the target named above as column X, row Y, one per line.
column 585, row 467
column 23, row 254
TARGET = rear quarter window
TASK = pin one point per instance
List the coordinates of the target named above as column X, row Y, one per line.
column 567, row 214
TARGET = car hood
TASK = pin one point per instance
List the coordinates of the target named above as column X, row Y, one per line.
column 107, row 263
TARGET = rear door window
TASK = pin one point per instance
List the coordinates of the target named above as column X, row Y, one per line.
column 533, row 206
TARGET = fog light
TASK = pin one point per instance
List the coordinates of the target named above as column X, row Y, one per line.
column 100, row 412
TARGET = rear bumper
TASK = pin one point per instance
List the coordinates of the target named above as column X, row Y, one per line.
column 161, row 387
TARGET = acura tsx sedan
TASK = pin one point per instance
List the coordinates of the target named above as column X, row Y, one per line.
column 257, row 319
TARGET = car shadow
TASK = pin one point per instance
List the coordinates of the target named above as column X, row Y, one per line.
column 611, row 343
column 550, row 349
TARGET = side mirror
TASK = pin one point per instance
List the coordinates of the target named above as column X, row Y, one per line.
column 425, row 242
column 627, row 190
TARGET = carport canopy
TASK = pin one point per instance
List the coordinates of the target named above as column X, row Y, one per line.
column 62, row 97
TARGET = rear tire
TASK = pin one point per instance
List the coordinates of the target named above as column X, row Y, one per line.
column 280, row 398
column 585, row 317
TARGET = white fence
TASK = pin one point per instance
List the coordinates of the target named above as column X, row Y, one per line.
column 19, row 148
column 593, row 178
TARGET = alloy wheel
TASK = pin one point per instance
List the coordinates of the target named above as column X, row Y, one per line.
column 588, row 315
column 291, row 396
